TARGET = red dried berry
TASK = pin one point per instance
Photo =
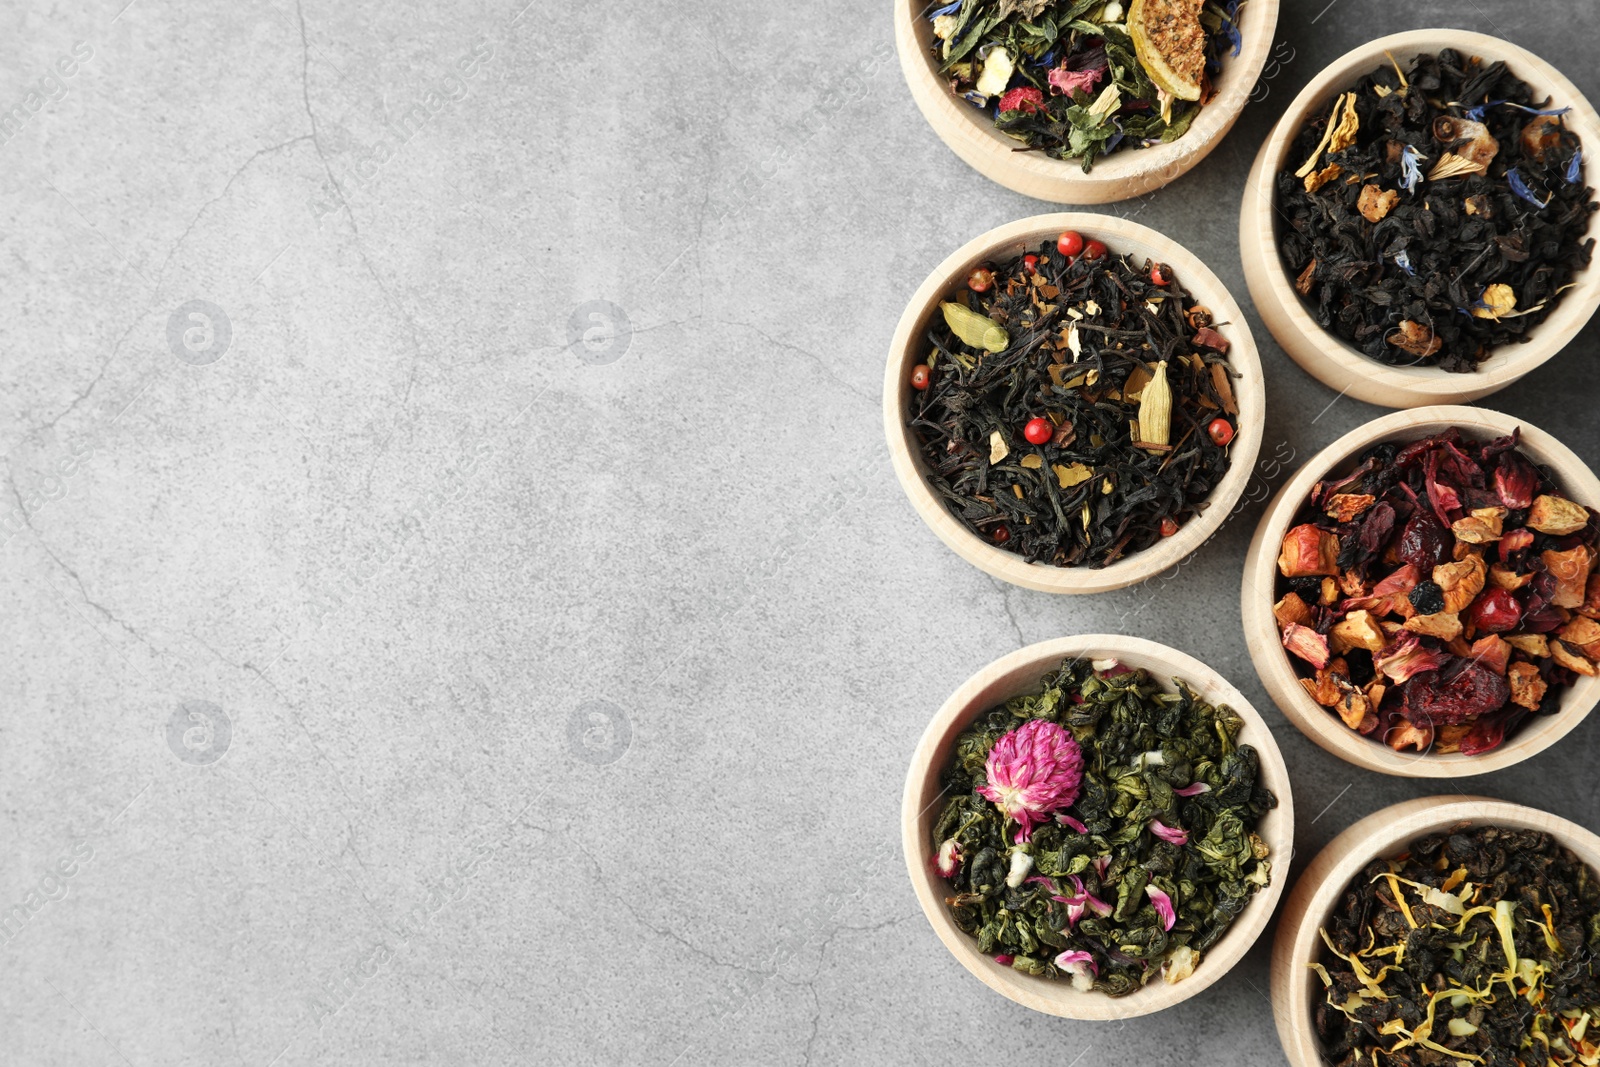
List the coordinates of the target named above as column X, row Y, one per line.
column 1495, row 612
column 1425, row 542
column 1444, row 698
column 1001, row 534
column 1025, row 99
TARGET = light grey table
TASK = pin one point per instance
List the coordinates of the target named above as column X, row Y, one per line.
column 388, row 680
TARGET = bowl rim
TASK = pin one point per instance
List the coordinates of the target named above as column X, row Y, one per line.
column 1123, row 236
column 1328, row 357
column 1381, row 833
column 1015, row 673
column 1259, row 584
column 1119, row 176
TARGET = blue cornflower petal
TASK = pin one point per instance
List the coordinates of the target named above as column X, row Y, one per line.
column 1520, row 187
column 1410, row 171
column 1476, row 113
column 948, row 9
column 1049, row 58
column 1575, row 168
column 1403, row 261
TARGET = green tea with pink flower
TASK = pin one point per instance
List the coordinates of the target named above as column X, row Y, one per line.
column 1079, row 79
column 1102, row 830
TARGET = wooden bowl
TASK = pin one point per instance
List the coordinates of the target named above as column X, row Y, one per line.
column 1383, row 833
column 1257, row 595
column 908, row 346
column 1020, row 672
column 1131, row 172
column 1319, row 352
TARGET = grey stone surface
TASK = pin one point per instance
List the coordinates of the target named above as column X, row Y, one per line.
column 402, row 682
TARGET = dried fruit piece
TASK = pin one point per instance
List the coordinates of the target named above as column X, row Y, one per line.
column 1291, row 609
column 1570, row 659
column 1536, row 645
column 1461, row 581
column 1527, row 687
column 1482, row 526
column 1342, row 507
column 1415, row 338
column 1459, row 694
column 1170, row 44
column 1492, row 651
column 1557, row 515
column 1376, row 202
column 1570, row 569
column 1582, row 634
column 1427, row 598
column 1424, row 541
column 1359, row 629
column 1495, row 612
column 1307, row 551
column 1445, row 625
column 1409, row 735
column 998, row 450
column 1503, row 577
column 1306, row 643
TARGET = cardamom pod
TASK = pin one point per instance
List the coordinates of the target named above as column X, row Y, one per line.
column 974, row 329
column 1155, row 409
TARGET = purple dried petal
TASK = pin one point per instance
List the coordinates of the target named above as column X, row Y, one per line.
column 1575, row 167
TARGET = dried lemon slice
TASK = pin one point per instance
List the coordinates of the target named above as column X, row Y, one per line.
column 1170, row 44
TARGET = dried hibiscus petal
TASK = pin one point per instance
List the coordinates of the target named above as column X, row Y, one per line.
column 1306, row 643
column 1460, row 693
column 1408, row 657
column 1515, row 480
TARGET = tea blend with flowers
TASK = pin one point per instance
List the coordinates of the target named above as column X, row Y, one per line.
column 1077, row 79
column 1102, row 830
column 1075, row 407
column 1473, row 947
column 1440, row 593
column 1436, row 214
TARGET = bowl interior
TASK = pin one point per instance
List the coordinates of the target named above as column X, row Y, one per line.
column 1257, row 21
column 1384, row 833
column 1019, row 673
column 1139, row 242
column 1507, row 363
column 1536, row 733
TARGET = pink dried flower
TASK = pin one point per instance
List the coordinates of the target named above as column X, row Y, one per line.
column 1406, row 657
column 1067, row 820
column 1004, row 959
column 948, row 861
column 1066, row 82
column 1101, row 865
column 1193, row 789
column 1163, row 906
column 1033, row 772
column 1170, row 834
column 1080, row 965
column 1082, row 900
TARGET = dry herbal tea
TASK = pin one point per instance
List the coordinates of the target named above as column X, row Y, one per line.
column 1474, row 947
column 1441, row 592
column 1074, row 408
column 1102, row 830
column 1077, row 79
column 1436, row 214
